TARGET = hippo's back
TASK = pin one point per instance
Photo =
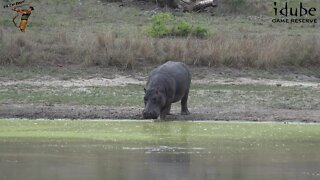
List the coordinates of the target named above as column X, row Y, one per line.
column 177, row 71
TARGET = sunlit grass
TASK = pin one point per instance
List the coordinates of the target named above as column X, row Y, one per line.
column 218, row 95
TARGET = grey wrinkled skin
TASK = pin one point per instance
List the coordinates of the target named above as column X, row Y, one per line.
column 167, row 84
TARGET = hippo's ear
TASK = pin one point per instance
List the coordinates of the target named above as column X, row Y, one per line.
column 144, row 90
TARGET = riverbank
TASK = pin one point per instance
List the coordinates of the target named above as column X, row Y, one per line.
column 216, row 94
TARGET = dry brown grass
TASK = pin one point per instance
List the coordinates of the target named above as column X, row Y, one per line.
column 107, row 49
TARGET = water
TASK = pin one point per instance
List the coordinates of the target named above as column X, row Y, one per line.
column 123, row 150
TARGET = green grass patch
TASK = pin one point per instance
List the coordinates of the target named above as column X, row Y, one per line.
column 109, row 96
column 255, row 96
column 223, row 96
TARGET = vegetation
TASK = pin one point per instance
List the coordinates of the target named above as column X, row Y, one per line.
column 159, row 27
column 236, row 6
column 94, row 33
column 165, row 24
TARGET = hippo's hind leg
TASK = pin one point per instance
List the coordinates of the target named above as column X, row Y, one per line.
column 184, row 104
column 168, row 109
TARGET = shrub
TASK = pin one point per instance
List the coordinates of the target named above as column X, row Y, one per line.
column 200, row 32
column 165, row 24
column 182, row 28
column 159, row 25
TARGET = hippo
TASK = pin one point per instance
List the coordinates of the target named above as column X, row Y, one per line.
column 168, row 83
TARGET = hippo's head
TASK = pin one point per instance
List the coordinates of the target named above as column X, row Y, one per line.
column 154, row 101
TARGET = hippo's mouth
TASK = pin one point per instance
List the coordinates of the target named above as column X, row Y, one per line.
column 148, row 115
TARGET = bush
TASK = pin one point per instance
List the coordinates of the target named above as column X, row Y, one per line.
column 182, row 28
column 159, row 27
column 165, row 24
column 200, row 32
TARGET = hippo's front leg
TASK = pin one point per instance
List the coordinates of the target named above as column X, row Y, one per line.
column 165, row 111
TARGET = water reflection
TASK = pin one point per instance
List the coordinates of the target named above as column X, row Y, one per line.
column 173, row 154
column 32, row 161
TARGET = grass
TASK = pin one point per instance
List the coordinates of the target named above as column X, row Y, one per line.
column 108, row 96
column 96, row 34
column 218, row 96
column 13, row 72
column 107, row 49
column 248, row 96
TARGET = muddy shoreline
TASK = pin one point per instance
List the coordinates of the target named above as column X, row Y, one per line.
column 78, row 112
